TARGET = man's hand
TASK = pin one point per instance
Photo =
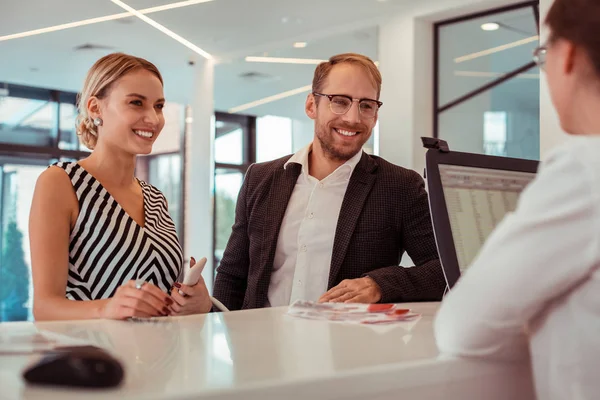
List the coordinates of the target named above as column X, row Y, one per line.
column 361, row 290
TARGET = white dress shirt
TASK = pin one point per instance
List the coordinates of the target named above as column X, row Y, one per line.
column 537, row 276
column 303, row 253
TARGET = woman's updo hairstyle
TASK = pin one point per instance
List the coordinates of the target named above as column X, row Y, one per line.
column 98, row 82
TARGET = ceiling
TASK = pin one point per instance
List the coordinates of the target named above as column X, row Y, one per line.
column 228, row 29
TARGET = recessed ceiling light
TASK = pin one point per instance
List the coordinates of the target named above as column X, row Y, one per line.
column 281, row 60
column 490, row 26
column 484, row 74
column 300, row 45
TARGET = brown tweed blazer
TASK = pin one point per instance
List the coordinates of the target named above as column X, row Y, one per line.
column 385, row 212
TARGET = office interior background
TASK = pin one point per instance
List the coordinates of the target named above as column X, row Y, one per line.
column 460, row 70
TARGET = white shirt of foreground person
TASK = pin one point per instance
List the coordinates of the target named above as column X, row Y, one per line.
column 303, row 254
column 537, row 276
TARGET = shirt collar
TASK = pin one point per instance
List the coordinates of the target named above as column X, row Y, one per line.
column 301, row 157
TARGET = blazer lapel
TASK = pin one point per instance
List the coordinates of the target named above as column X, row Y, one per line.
column 282, row 186
column 359, row 187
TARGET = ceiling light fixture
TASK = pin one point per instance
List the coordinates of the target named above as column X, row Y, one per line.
column 480, row 74
column 280, row 60
column 97, row 20
column 270, row 99
column 163, row 29
column 299, row 45
column 498, row 49
column 490, row 26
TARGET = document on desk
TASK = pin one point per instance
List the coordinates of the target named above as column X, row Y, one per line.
column 352, row 313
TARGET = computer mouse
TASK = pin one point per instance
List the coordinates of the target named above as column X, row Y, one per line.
column 76, row 366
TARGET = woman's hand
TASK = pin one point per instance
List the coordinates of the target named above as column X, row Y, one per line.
column 128, row 301
column 194, row 300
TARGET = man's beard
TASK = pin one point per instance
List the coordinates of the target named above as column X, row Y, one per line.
column 326, row 138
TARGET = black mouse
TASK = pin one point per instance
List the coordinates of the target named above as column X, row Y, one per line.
column 76, row 366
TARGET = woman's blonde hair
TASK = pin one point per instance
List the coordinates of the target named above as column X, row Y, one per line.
column 98, row 82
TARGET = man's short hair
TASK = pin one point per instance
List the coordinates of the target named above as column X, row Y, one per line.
column 322, row 71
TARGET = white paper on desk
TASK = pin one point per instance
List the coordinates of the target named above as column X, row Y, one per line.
column 29, row 339
column 353, row 313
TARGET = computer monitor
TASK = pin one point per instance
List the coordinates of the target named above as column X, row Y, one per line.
column 469, row 195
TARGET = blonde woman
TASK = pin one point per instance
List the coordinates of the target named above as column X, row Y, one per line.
column 102, row 242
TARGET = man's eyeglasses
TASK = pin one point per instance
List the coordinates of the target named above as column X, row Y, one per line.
column 340, row 104
column 539, row 56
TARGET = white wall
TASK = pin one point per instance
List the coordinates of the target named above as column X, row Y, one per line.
column 403, row 82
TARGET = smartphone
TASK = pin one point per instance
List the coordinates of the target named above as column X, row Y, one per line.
column 192, row 274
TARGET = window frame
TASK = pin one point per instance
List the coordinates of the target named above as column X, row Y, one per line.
column 52, row 96
column 248, row 124
column 20, row 153
column 437, row 109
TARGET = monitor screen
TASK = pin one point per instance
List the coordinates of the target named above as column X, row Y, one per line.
column 477, row 200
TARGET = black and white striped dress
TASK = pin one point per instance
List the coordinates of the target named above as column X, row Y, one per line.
column 108, row 248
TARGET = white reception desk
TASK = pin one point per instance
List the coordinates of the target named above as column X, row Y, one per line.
column 265, row 354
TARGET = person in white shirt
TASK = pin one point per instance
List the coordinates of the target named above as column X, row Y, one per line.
column 331, row 223
column 534, row 289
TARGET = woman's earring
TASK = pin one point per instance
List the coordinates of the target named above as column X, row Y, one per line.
column 98, row 121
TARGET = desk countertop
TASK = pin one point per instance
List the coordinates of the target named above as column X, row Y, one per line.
column 267, row 354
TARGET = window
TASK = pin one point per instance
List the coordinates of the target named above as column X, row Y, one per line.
column 273, row 138
column 26, row 121
column 494, row 133
column 235, row 150
column 486, row 84
column 67, row 137
column 36, row 129
column 229, row 143
column 165, row 171
column 227, row 186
